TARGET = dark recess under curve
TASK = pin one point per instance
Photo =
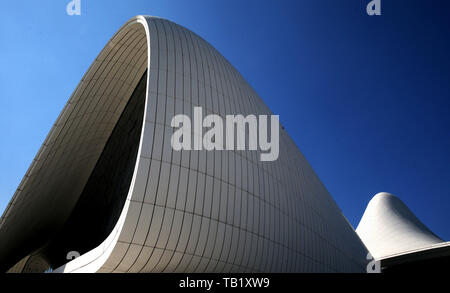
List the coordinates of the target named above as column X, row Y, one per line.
column 105, row 192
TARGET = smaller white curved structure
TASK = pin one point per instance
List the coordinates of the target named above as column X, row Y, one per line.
column 388, row 228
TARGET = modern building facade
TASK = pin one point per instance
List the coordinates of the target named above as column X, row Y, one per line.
column 389, row 227
column 106, row 184
column 398, row 239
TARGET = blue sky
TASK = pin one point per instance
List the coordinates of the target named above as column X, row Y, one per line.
column 367, row 99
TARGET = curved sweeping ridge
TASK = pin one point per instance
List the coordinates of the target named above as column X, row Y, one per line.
column 172, row 211
column 388, row 227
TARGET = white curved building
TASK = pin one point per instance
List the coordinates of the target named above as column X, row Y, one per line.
column 399, row 240
column 106, row 183
column 388, row 227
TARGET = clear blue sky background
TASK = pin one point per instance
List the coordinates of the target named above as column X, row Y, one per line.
column 367, row 99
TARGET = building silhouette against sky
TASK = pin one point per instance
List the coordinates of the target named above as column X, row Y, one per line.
column 107, row 185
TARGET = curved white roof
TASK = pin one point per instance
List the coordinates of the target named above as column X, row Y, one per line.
column 181, row 211
column 388, row 227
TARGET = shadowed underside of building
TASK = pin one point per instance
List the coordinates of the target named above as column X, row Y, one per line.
column 107, row 184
